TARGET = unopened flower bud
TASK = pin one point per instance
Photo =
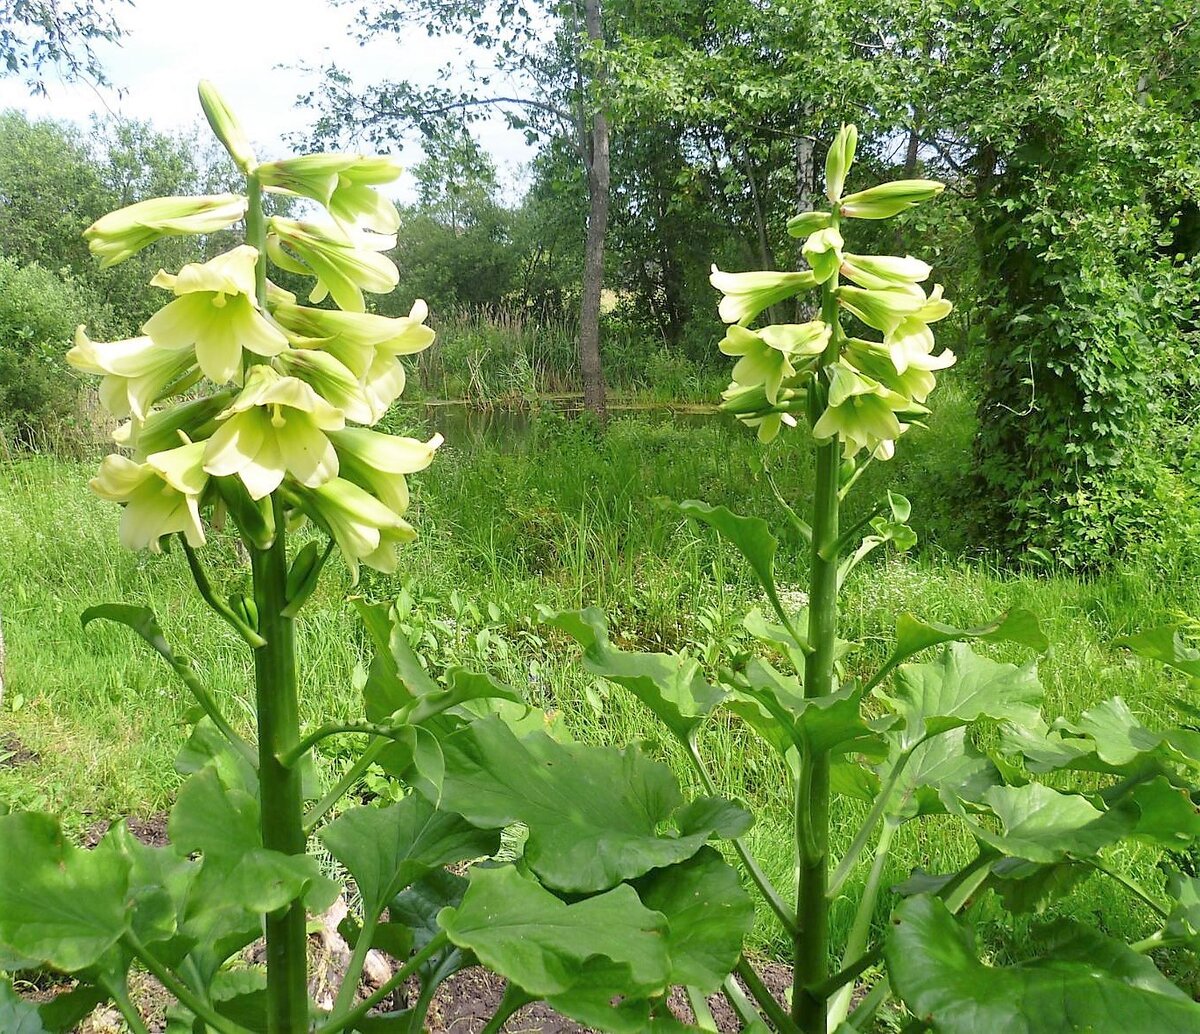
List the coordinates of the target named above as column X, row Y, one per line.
column 839, row 160
column 889, row 199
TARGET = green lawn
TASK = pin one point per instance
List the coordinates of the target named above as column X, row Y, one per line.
column 556, row 515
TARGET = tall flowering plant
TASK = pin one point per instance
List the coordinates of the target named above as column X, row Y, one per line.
column 241, row 403
column 900, row 740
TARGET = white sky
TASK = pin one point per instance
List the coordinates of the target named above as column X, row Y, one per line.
column 171, row 44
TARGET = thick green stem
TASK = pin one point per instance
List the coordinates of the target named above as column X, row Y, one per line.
column 281, row 797
column 282, row 802
column 811, row 943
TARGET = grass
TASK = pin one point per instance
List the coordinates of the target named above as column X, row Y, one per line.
column 557, row 514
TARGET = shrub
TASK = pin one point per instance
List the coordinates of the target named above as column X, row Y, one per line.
column 39, row 311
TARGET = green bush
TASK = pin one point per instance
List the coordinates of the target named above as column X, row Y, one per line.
column 39, row 311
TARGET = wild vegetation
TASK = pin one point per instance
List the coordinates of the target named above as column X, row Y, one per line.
column 900, row 687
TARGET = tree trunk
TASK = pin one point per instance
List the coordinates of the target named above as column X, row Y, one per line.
column 598, row 173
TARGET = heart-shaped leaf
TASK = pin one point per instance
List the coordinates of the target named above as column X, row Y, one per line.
column 17, row 1016
column 523, row 932
column 944, row 764
column 914, row 634
column 750, row 536
column 593, row 812
column 387, row 849
column 59, row 905
column 1167, row 645
column 708, row 916
column 959, row 688
column 1042, row 825
column 774, row 705
column 1086, row 982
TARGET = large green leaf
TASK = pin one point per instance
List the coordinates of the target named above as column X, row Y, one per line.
column 671, row 685
column 593, row 813
column 1030, row 887
column 960, row 687
column 417, row 907
column 222, row 824
column 1167, row 645
column 944, row 764
column 596, row 1001
column 59, row 905
column 1086, row 982
column 387, row 849
column 750, row 536
column 395, row 678
column 1167, row 816
column 1042, row 825
column 708, row 916
column 523, row 932
column 1184, row 919
column 17, row 1016
column 1107, row 738
column 774, row 705
column 914, row 634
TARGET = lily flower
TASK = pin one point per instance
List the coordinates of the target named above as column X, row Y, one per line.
column 752, row 408
column 879, row 272
column 378, row 462
column 343, row 183
column 134, row 373
column 344, row 264
column 823, row 252
column 119, row 234
column 275, row 427
column 330, row 379
column 766, row 355
column 882, row 309
column 915, row 381
column 911, row 344
column 747, row 294
column 935, row 308
column 215, row 311
column 355, row 338
column 161, row 496
column 861, row 411
column 888, row 199
column 364, row 529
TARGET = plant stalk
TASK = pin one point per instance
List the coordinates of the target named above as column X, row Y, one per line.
column 811, row 942
column 278, row 708
column 282, row 801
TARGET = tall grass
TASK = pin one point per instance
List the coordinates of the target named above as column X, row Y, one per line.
column 502, row 355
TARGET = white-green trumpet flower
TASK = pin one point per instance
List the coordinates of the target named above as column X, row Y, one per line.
column 275, row 428
column 215, row 311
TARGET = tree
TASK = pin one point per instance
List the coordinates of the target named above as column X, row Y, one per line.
column 555, row 53
column 37, row 33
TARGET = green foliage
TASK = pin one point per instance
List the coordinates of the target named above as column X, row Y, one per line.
column 39, row 312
